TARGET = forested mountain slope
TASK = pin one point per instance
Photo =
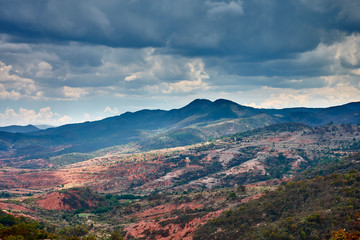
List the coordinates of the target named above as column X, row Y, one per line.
column 317, row 208
column 199, row 121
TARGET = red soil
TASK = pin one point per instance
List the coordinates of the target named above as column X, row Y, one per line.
column 13, row 207
column 166, row 209
column 53, row 201
column 174, row 231
column 57, row 201
column 16, row 178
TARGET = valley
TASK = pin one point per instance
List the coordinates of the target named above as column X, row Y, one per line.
column 180, row 120
column 169, row 193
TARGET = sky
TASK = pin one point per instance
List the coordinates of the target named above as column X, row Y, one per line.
column 73, row 61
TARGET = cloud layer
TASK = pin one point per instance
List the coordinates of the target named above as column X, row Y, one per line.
column 129, row 55
column 28, row 116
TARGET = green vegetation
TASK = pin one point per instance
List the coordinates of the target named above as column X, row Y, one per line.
column 175, row 138
column 3, row 145
column 6, row 195
column 80, row 198
column 70, row 158
column 277, row 166
column 309, row 209
column 112, row 201
column 192, row 184
column 21, row 228
column 274, row 128
column 327, row 166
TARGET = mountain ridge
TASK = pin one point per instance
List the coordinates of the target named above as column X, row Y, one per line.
column 19, row 129
column 200, row 120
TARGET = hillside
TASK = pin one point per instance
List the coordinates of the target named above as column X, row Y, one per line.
column 309, row 209
column 19, row 129
column 199, row 121
column 169, row 193
column 277, row 151
column 130, row 127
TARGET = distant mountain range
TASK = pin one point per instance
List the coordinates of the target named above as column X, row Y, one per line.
column 24, row 129
column 19, row 129
column 198, row 121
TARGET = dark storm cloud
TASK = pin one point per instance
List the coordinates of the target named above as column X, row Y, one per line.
column 250, row 29
column 111, row 53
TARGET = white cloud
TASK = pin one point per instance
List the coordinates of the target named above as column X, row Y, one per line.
column 336, row 58
column 74, row 93
column 233, row 7
column 111, row 110
column 29, row 116
column 131, row 77
column 45, row 70
column 348, row 51
column 119, row 95
column 4, row 94
column 15, row 87
column 197, row 69
column 331, row 95
column 356, row 71
column 185, row 86
column 197, row 73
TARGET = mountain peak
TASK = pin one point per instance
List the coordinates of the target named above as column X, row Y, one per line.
column 199, row 103
column 222, row 101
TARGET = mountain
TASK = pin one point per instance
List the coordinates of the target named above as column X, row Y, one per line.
column 348, row 113
column 43, row 126
column 19, row 129
column 169, row 193
column 131, row 127
column 311, row 209
column 212, row 119
column 198, row 121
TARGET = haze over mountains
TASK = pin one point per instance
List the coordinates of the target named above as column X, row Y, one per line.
column 198, row 121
